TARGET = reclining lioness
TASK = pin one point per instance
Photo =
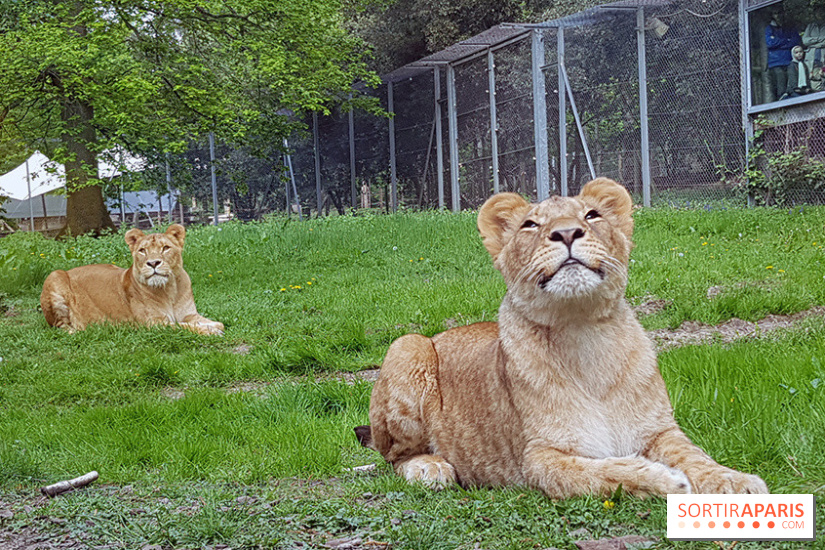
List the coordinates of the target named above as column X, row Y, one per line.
column 155, row 290
column 563, row 394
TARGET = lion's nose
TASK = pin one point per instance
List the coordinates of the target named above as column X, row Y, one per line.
column 154, row 263
column 567, row 236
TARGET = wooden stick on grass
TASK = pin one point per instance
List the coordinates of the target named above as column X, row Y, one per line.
column 69, row 485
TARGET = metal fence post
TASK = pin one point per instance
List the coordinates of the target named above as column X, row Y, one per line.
column 645, row 145
column 214, row 181
column 563, row 188
column 452, row 125
column 353, row 183
column 393, row 169
column 491, row 84
column 316, row 145
column 439, row 145
column 540, row 116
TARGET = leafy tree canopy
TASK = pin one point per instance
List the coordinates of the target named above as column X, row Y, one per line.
column 79, row 76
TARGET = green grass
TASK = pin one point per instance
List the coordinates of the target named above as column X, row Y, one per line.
column 190, row 423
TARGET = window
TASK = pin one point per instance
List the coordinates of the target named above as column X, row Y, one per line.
column 787, row 52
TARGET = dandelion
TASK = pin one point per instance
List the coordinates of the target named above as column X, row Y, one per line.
column 210, row 275
column 769, row 267
column 309, row 282
column 780, row 270
column 704, row 243
column 283, row 290
column 609, row 504
column 422, row 259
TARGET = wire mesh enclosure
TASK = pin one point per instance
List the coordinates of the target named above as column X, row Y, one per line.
column 647, row 92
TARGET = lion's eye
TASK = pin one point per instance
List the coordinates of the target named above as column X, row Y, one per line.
column 142, row 251
column 592, row 215
column 166, row 247
column 529, row 224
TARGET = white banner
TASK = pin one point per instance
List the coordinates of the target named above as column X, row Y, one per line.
column 741, row 517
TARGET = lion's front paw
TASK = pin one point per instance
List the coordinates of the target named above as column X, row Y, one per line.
column 730, row 482
column 662, row 480
column 433, row 471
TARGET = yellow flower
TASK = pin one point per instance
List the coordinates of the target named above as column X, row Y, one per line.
column 309, row 282
column 608, row 504
column 422, row 259
column 210, row 274
column 704, row 244
column 283, row 290
column 769, row 267
column 781, row 270
column 297, row 287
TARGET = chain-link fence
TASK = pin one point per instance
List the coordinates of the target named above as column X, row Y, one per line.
column 647, row 92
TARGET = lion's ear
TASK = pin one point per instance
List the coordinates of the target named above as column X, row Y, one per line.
column 177, row 233
column 611, row 200
column 132, row 236
column 497, row 216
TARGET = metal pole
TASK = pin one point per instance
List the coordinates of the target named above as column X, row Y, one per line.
column 288, row 158
column 563, row 187
column 578, row 122
column 452, row 131
column 352, row 182
column 31, row 204
column 214, row 181
column 393, row 171
column 316, row 144
column 491, row 84
column 439, row 146
column 645, row 145
column 540, row 117
column 747, row 91
column 169, row 185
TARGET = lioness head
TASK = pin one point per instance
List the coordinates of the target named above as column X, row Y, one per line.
column 156, row 256
column 564, row 248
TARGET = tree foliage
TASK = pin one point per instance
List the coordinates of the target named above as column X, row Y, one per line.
column 80, row 76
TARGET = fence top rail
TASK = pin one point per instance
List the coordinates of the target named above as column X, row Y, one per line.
column 594, row 15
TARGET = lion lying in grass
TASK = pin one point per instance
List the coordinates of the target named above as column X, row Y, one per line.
column 155, row 290
column 563, row 394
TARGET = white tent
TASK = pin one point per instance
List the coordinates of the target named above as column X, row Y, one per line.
column 39, row 175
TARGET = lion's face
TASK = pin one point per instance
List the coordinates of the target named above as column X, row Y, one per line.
column 156, row 257
column 563, row 248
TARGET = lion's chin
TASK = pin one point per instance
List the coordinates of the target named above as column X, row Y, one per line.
column 156, row 280
column 572, row 281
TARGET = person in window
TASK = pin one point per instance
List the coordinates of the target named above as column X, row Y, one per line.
column 799, row 79
column 780, row 40
column 814, row 41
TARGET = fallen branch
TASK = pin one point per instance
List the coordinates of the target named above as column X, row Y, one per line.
column 70, row 485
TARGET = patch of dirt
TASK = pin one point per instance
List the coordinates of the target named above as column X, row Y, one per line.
column 370, row 375
column 715, row 291
column 242, row 349
column 651, row 306
column 692, row 333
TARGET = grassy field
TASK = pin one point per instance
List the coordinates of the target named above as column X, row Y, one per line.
column 245, row 440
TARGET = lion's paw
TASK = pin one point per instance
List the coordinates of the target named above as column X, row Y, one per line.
column 730, row 482
column 433, row 471
column 669, row 481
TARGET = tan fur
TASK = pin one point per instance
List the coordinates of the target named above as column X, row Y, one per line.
column 155, row 290
column 563, row 394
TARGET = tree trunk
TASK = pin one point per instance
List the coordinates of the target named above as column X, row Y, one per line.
column 85, row 210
